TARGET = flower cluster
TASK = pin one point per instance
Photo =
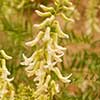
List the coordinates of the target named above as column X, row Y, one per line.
column 6, row 88
column 43, row 61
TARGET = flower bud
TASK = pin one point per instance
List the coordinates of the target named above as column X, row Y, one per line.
column 59, row 31
column 5, row 55
column 34, row 42
column 43, row 14
column 63, row 79
column 51, row 9
column 47, row 34
column 54, row 88
column 66, row 18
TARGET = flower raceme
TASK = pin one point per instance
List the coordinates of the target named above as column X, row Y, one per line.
column 6, row 87
column 43, row 62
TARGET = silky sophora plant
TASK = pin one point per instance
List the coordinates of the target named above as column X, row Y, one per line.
column 6, row 87
column 43, row 62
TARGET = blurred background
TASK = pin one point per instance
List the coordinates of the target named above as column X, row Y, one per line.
column 82, row 57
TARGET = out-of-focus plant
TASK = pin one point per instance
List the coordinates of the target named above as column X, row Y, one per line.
column 13, row 20
column 15, row 27
column 43, row 62
column 92, row 22
column 6, row 88
column 84, row 63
